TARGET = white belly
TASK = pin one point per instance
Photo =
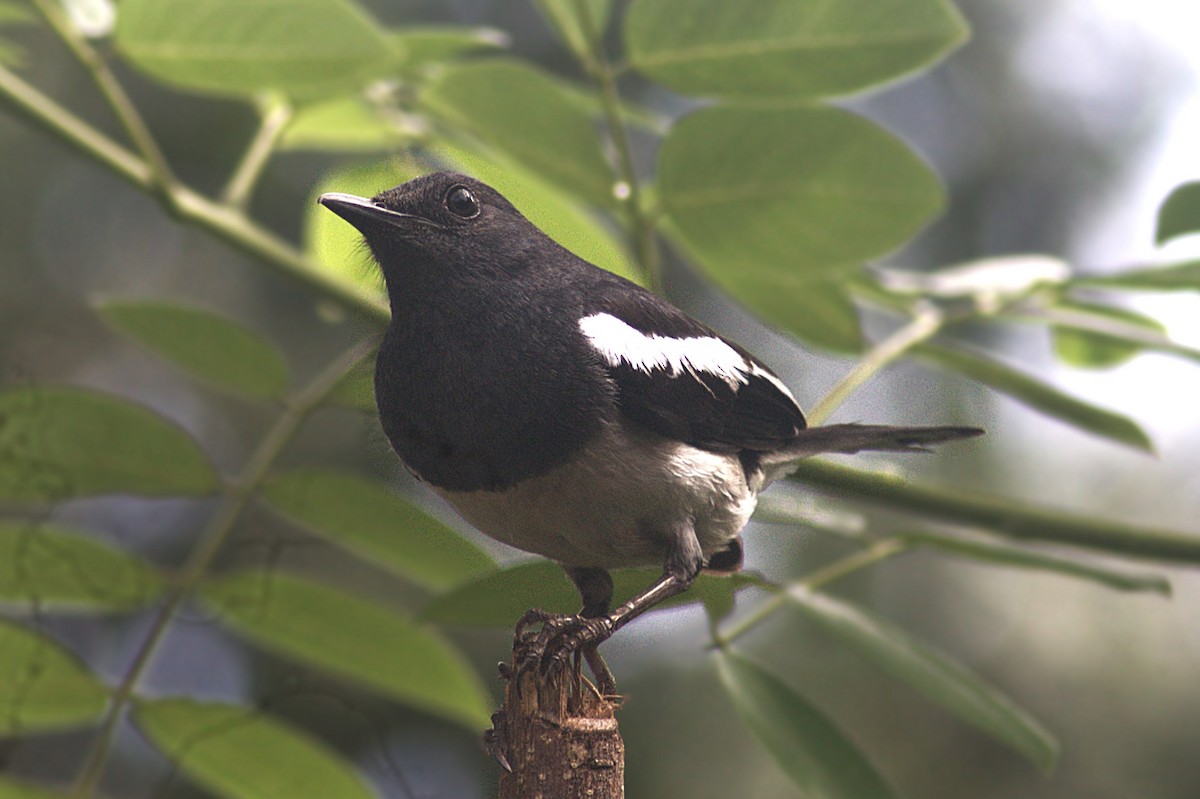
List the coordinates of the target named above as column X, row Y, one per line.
column 618, row 505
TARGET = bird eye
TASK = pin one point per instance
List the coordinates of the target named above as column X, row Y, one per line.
column 462, row 202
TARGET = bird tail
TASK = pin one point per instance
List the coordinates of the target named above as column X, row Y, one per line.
column 851, row 438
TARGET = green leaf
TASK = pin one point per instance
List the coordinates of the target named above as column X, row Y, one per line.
column 818, row 311
column 795, row 507
column 208, row 346
column 790, row 195
column 821, row 312
column 935, row 675
column 1180, row 213
column 12, row 14
column 716, row 592
column 1092, row 349
column 1174, row 277
column 805, row 744
column 43, row 686
column 1101, row 335
column 47, row 568
column 241, row 753
column 1038, row 395
column 526, row 115
column 365, row 518
column 1024, row 558
column 15, row 13
column 564, row 17
column 343, row 124
column 635, row 115
column 11, row 55
column 422, row 45
column 357, row 389
column 498, row 599
column 61, row 443
column 352, row 638
column 302, row 48
column 557, row 213
column 13, row 789
column 337, row 246
column 787, row 48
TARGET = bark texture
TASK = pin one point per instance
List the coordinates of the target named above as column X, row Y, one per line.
column 559, row 738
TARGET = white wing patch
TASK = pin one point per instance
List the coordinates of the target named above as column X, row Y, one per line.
column 758, row 371
column 619, row 343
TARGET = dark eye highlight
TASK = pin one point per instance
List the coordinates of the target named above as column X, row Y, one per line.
column 461, row 202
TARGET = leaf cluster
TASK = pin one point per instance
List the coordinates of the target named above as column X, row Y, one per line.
column 763, row 185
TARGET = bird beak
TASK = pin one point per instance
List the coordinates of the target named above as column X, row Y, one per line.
column 364, row 214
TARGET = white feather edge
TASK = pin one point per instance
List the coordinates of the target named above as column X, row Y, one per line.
column 618, row 343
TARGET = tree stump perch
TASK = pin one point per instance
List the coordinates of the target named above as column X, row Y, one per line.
column 556, row 737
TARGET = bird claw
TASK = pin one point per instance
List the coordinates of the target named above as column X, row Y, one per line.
column 532, row 617
column 495, row 742
column 557, row 641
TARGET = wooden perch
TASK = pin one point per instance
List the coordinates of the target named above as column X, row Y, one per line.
column 556, row 737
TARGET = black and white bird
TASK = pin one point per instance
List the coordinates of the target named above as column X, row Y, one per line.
column 568, row 412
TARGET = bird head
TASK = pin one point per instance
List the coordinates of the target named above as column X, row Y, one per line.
column 443, row 226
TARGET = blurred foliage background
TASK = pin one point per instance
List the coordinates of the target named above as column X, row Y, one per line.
column 1039, row 126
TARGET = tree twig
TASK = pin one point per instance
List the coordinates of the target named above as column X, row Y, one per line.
column 237, row 496
column 641, row 223
column 925, row 324
column 559, row 738
column 274, row 114
column 228, row 223
column 162, row 179
column 881, row 550
column 1002, row 516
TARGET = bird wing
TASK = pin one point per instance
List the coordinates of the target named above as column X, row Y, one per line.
column 680, row 379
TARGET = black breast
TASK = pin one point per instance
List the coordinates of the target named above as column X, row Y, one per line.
column 478, row 400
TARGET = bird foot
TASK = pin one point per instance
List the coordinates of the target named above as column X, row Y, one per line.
column 495, row 741
column 556, row 640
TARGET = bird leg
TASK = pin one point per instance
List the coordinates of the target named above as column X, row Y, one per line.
column 559, row 637
column 596, row 589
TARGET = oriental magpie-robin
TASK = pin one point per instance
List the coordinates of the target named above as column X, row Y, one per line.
column 570, row 413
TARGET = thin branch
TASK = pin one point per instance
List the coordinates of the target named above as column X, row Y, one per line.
column 61, row 123
column 924, row 325
column 237, row 496
column 126, row 112
column 188, row 205
column 275, row 114
column 814, row 581
column 998, row 515
column 640, row 222
column 1101, row 325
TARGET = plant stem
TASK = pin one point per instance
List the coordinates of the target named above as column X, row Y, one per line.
column 879, row 551
column 275, row 113
column 61, row 123
column 814, row 581
column 1001, row 516
column 1101, row 325
column 641, row 224
column 237, row 496
column 927, row 321
column 161, row 178
column 227, row 223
